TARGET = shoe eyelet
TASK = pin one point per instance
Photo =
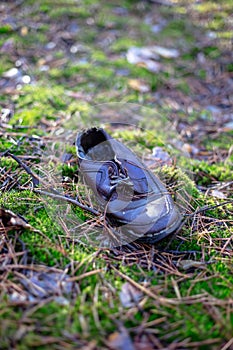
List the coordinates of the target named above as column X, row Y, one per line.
column 110, row 171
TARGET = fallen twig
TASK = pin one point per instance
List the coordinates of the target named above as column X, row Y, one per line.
column 209, row 207
column 36, row 180
column 67, row 199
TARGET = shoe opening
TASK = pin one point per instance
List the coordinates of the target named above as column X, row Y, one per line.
column 96, row 146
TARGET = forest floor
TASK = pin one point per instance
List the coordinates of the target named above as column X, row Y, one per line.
column 67, row 65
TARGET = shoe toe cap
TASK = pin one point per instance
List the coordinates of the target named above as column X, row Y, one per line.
column 153, row 220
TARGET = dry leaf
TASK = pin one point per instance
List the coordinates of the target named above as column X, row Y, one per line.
column 218, row 194
column 162, row 156
column 228, row 126
column 188, row 264
column 143, row 56
column 129, row 295
column 36, row 285
column 164, row 52
column 143, row 343
column 24, row 31
column 191, row 149
column 45, row 283
column 139, row 85
column 148, row 56
column 159, row 157
column 11, row 73
column 120, row 340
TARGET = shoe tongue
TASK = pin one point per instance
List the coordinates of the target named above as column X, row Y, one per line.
column 133, row 171
column 100, row 152
column 138, row 176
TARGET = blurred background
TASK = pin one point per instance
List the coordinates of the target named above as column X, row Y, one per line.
column 163, row 64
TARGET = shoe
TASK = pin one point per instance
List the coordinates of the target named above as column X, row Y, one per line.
column 132, row 197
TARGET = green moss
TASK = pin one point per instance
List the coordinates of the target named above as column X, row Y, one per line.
column 50, row 99
column 212, row 51
column 45, row 8
column 202, row 73
column 193, row 321
column 208, row 6
column 206, row 173
column 68, row 9
column 6, row 64
column 223, row 141
column 184, row 87
column 41, row 215
column 100, row 74
column 144, row 138
column 6, row 29
column 38, row 102
column 225, row 35
column 230, row 67
column 177, row 29
column 99, row 56
column 124, row 43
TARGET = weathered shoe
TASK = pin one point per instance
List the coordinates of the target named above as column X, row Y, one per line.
column 133, row 198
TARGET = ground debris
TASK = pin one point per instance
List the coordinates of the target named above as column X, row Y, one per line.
column 159, row 157
column 41, row 282
column 57, row 61
column 144, row 57
column 139, row 85
column 14, row 78
column 120, row 340
column 9, row 220
column 129, row 295
column 189, row 264
column 218, row 194
column 148, row 57
column 5, row 116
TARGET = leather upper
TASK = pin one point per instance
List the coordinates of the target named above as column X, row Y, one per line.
column 131, row 195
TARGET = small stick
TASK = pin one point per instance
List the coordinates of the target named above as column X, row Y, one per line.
column 67, row 199
column 206, row 207
column 36, row 180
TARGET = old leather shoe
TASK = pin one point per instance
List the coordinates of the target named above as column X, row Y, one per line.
column 133, row 198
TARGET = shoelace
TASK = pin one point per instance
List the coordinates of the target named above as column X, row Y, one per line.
column 123, row 182
column 120, row 181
